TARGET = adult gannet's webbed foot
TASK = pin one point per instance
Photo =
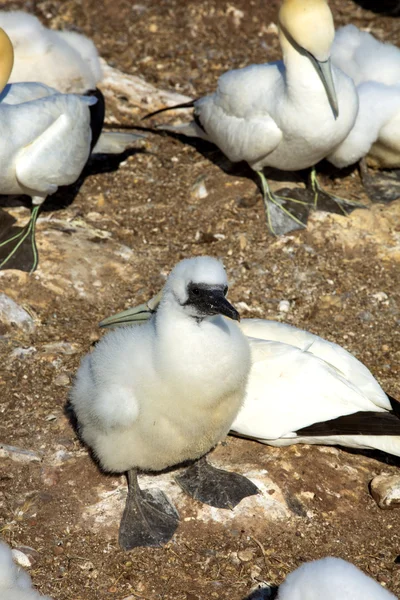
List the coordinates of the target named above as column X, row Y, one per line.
column 215, row 487
column 280, row 220
column 381, row 186
column 149, row 518
column 330, row 202
column 15, row 243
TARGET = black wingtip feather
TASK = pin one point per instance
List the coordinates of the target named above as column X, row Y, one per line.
column 97, row 114
column 175, row 107
column 359, row 423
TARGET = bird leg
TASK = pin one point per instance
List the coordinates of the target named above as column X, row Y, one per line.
column 215, row 487
column 27, row 233
column 149, row 518
column 279, row 219
column 319, row 192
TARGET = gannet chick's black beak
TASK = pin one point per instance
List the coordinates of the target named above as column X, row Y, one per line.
column 208, row 300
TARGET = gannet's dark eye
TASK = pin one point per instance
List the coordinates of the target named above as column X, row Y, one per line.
column 225, row 290
column 195, row 291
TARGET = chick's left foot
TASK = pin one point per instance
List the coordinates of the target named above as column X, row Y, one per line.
column 216, row 487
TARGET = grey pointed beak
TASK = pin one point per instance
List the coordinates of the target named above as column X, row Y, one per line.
column 219, row 305
column 133, row 316
column 324, row 70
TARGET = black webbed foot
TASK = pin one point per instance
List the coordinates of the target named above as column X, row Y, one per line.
column 149, row 518
column 216, row 487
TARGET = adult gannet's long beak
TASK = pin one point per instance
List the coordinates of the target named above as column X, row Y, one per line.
column 133, row 316
column 324, row 70
column 6, row 58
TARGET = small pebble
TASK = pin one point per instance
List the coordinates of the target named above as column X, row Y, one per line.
column 380, row 296
column 21, row 558
column 62, row 380
column 246, row 555
column 284, row 306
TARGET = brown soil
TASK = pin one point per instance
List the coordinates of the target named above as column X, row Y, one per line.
column 149, row 205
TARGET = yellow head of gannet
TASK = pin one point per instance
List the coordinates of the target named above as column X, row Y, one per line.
column 6, row 58
column 307, row 25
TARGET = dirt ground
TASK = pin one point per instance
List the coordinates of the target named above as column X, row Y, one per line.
column 344, row 288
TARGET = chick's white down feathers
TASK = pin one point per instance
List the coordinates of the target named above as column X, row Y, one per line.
column 65, row 60
column 374, row 66
column 15, row 583
column 168, row 391
column 331, row 579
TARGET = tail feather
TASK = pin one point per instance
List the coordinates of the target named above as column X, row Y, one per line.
column 175, row 107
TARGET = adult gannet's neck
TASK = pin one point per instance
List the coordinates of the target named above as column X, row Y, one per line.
column 303, row 84
column 6, row 58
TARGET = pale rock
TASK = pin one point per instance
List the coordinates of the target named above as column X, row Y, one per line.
column 62, row 380
column 375, row 227
column 19, row 454
column 385, row 490
column 21, row 558
column 140, row 95
column 71, row 262
column 284, row 306
column 13, row 314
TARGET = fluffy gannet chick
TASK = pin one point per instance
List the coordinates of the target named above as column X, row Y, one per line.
column 65, row 60
column 331, row 579
column 304, row 389
column 153, row 396
column 15, row 583
column 288, row 114
column 375, row 68
column 44, row 144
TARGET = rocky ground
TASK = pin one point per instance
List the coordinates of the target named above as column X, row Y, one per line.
column 107, row 244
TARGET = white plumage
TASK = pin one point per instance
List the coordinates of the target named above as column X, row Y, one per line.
column 288, row 114
column 15, row 583
column 154, row 396
column 375, row 68
column 65, row 60
column 331, row 579
column 46, row 140
column 297, row 380
column 167, row 392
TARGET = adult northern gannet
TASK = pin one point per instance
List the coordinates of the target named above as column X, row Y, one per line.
column 154, row 396
column 46, row 140
column 374, row 66
column 288, row 114
column 330, row 579
column 45, row 143
column 304, row 389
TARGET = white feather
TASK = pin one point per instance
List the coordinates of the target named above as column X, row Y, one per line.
column 331, row 579
column 67, row 61
column 297, row 379
column 156, row 395
column 15, row 583
column 278, row 114
column 375, row 68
